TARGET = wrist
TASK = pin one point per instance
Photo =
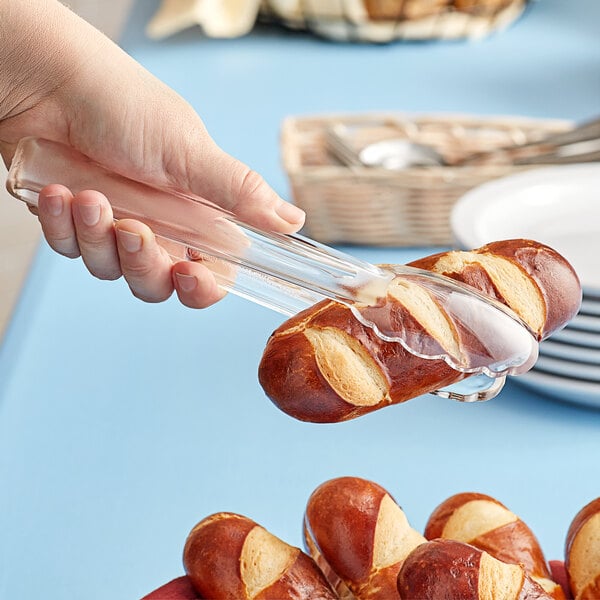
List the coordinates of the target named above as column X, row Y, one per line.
column 44, row 45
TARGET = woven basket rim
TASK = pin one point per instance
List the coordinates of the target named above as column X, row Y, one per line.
column 289, row 131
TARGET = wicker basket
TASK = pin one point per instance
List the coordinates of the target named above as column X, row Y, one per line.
column 376, row 206
column 388, row 20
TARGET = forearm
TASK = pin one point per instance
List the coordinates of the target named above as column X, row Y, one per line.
column 42, row 45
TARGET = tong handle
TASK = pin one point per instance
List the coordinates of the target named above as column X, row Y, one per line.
column 286, row 273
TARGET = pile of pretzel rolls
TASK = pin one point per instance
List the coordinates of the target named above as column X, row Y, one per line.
column 322, row 365
column 359, row 545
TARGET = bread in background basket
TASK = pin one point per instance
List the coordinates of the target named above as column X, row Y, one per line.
column 384, row 21
column 343, row 20
column 382, row 207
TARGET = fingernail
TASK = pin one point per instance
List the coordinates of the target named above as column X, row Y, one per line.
column 290, row 213
column 132, row 242
column 186, row 283
column 55, row 205
column 89, row 213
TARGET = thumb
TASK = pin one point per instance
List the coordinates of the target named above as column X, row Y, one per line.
column 224, row 180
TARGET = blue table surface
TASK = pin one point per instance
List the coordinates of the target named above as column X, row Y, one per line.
column 122, row 424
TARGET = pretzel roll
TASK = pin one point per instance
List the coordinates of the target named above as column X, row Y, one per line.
column 229, row 556
column 445, row 569
column 532, row 279
column 487, row 524
column 582, row 552
column 359, row 536
column 322, row 365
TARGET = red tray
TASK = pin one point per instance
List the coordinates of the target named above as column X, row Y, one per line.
column 181, row 588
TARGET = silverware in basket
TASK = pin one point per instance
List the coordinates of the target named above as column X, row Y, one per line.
column 580, row 144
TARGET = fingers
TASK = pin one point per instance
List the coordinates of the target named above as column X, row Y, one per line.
column 226, row 181
column 54, row 212
column 195, row 285
column 145, row 265
column 82, row 225
column 94, row 228
column 254, row 201
column 151, row 274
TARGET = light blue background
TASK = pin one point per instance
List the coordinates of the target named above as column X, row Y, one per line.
column 122, row 424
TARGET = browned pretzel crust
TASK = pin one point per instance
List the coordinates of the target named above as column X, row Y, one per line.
column 322, row 365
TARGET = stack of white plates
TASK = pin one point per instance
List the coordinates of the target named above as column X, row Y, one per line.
column 558, row 206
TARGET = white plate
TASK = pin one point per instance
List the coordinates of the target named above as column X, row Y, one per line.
column 570, row 352
column 563, row 388
column 588, row 339
column 558, row 206
column 590, row 307
column 585, row 323
column 568, row 368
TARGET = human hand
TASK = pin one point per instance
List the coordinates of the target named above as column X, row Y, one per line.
column 82, row 90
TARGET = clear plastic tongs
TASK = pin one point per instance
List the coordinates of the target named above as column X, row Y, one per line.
column 289, row 273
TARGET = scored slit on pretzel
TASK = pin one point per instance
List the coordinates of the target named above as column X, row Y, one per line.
column 228, row 555
column 484, row 522
column 359, row 536
column 444, row 569
column 511, row 282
